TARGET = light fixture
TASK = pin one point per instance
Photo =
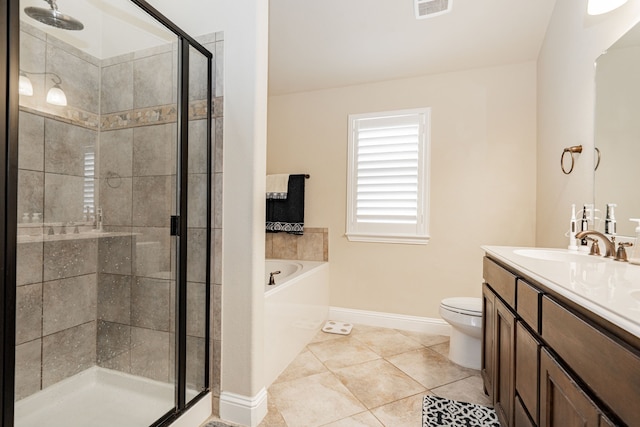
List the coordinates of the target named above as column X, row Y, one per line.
column 598, row 7
column 55, row 96
column 24, row 85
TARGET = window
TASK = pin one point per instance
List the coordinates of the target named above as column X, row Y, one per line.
column 388, row 185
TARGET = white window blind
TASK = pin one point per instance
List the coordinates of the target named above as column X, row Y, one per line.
column 89, row 180
column 388, row 179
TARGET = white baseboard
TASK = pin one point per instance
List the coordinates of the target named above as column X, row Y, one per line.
column 243, row 410
column 196, row 415
column 390, row 320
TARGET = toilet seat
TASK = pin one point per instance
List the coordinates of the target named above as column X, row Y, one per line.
column 463, row 305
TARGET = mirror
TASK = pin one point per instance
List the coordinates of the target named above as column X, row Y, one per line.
column 617, row 130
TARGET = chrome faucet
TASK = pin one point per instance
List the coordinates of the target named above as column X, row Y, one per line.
column 609, row 244
column 272, row 281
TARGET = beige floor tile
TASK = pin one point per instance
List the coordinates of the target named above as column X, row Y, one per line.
column 443, row 348
column 426, row 340
column 314, row 401
column 429, row 368
column 377, row 382
column 365, row 329
column 401, row 413
column 273, row 417
column 322, row 336
column 466, row 390
column 305, row 364
column 387, row 342
column 365, row 419
column 341, row 352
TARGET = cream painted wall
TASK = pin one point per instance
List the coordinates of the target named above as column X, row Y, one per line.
column 482, row 181
column 566, row 101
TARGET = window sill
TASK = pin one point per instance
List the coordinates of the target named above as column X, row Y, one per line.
column 369, row 238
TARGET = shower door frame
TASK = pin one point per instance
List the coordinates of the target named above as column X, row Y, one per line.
column 9, row 114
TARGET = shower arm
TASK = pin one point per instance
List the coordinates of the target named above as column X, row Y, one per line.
column 55, row 78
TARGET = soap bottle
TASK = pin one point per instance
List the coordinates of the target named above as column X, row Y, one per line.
column 573, row 229
column 634, row 257
column 610, row 220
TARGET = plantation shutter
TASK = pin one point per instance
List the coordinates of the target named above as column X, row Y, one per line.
column 388, row 177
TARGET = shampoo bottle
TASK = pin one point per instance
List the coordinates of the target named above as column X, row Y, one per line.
column 634, row 257
column 584, row 226
column 610, row 220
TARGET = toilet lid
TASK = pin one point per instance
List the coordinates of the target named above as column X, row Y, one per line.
column 463, row 305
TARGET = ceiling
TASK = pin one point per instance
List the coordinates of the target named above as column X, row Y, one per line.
column 331, row 43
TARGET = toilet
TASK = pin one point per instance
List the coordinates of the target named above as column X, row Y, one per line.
column 465, row 317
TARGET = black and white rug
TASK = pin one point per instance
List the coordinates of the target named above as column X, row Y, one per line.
column 437, row 411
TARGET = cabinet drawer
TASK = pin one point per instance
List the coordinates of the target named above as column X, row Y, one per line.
column 528, row 304
column 610, row 370
column 501, row 281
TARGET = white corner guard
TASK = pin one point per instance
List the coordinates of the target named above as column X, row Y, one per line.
column 390, row 320
column 243, row 410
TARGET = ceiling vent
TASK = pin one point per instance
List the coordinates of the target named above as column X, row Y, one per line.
column 431, row 8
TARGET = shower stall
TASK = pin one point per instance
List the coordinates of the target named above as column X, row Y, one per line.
column 107, row 218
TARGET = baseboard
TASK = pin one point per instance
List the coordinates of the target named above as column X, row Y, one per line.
column 390, row 320
column 243, row 410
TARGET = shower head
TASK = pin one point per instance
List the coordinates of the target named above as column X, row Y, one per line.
column 54, row 18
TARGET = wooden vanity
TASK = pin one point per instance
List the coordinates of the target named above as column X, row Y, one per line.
column 560, row 340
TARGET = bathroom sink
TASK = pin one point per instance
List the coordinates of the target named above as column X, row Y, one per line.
column 558, row 255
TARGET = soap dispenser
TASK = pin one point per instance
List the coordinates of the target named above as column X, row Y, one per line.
column 573, row 229
column 634, row 258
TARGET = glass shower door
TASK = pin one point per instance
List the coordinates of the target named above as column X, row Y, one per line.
column 97, row 186
column 198, row 227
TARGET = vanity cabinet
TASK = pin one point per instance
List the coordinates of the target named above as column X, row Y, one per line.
column 548, row 362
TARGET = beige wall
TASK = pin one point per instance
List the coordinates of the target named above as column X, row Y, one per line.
column 566, row 99
column 482, row 181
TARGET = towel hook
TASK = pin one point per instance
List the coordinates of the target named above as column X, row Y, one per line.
column 577, row 149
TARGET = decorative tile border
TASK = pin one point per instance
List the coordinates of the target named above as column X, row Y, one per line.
column 69, row 115
column 128, row 119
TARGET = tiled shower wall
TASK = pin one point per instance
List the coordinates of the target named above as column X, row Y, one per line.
column 84, row 299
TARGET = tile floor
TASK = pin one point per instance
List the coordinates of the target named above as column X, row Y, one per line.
column 375, row 377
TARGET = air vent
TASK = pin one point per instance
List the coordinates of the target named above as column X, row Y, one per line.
column 431, row 8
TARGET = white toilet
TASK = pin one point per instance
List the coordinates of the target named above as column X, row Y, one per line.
column 465, row 317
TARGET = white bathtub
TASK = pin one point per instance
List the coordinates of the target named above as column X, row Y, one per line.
column 295, row 310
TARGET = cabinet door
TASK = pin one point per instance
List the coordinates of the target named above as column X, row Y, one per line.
column 520, row 417
column 562, row 402
column 527, row 356
column 488, row 314
column 504, row 367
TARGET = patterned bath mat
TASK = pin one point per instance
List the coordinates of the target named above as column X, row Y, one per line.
column 333, row 327
column 437, row 411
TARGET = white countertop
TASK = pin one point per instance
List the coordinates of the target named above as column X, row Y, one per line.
column 608, row 288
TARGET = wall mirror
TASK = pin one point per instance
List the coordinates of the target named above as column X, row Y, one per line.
column 617, row 130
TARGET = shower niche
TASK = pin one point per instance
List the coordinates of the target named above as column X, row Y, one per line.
column 113, row 231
